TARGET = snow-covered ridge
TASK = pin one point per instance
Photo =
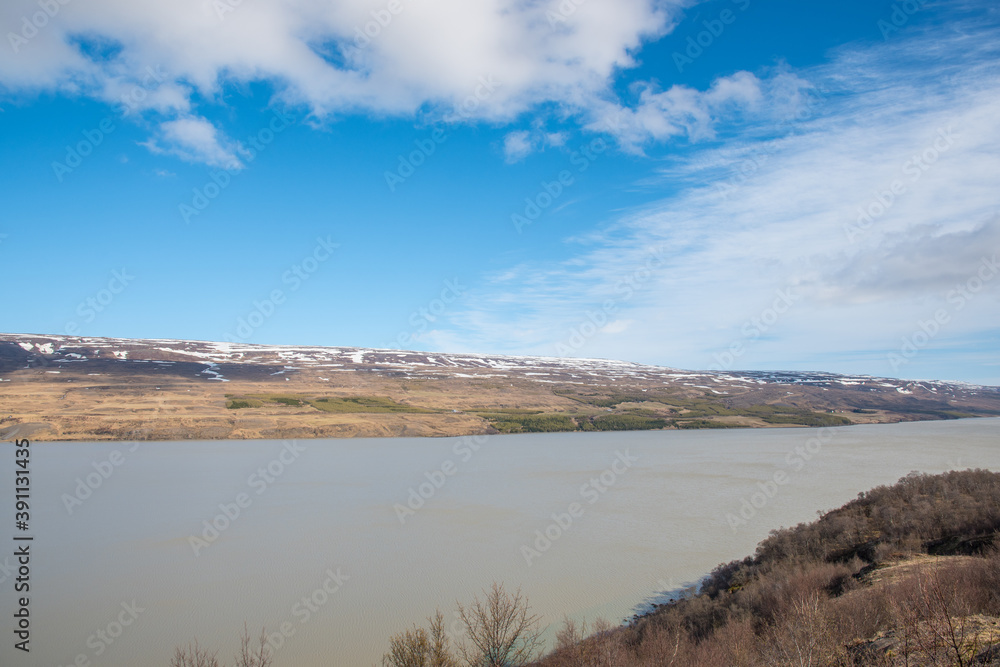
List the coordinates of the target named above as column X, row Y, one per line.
column 290, row 359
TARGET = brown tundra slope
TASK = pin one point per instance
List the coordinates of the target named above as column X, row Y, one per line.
column 74, row 388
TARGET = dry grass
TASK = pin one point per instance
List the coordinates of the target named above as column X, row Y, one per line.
column 843, row 591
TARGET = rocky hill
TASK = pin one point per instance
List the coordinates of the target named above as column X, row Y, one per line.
column 76, row 388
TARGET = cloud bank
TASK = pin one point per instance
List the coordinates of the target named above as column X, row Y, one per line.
column 385, row 57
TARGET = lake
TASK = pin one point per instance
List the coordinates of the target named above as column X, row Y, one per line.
column 345, row 542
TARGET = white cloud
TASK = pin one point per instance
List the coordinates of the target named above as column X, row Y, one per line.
column 774, row 213
column 517, row 145
column 197, row 140
column 682, row 111
column 490, row 60
column 336, row 57
column 617, row 327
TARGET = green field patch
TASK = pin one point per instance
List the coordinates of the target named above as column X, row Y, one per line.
column 282, row 399
column 241, row 403
column 538, row 423
column 626, row 422
column 705, row 423
column 698, row 408
column 235, row 402
column 808, row 418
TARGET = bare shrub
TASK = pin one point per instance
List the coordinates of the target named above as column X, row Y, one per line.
column 861, row 614
column 253, row 654
column 976, row 581
column 440, row 647
column 768, row 597
column 407, row 649
column 501, row 629
column 609, row 649
column 803, row 637
column 570, row 646
column 571, row 634
column 935, row 621
column 664, row 645
column 421, row 648
column 193, row 656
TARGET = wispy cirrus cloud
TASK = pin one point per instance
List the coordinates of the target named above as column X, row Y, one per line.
column 782, row 209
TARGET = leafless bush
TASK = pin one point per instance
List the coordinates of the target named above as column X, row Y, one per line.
column 803, row 637
column 193, row 656
column 253, row 654
column 935, row 621
column 976, row 581
column 421, row 648
column 768, row 597
column 501, row 629
column 861, row 613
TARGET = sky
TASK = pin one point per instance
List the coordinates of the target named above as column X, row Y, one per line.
column 730, row 185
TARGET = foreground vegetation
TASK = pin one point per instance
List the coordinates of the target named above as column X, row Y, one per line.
column 906, row 575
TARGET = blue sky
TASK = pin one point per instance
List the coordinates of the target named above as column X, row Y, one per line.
column 736, row 184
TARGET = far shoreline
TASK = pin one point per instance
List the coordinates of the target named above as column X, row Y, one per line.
column 11, row 436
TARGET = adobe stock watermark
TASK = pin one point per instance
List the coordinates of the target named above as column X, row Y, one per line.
column 748, row 166
column 957, row 298
column 422, row 318
column 466, row 447
column 91, row 482
column 424, row 148
column 591, row 491
column 595, row 321
column 382, row 18
column 105, row 637
column 222, row 178
column 30, row 26
column 755, row 327
column 93, row 305
column 224, row 7
column 94, row 137
column 714, row 28
column 563, row 11
column 884, row 199
column 795, row 461
column 7, row 569
column 295, row 276
column 409, row 163
column 259, row 482
column 901, row 14
column 550, row 191
column 305, row 608
column 745, row 169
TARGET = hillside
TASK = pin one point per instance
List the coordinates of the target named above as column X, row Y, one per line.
column 907, row 575
column 73, row 388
